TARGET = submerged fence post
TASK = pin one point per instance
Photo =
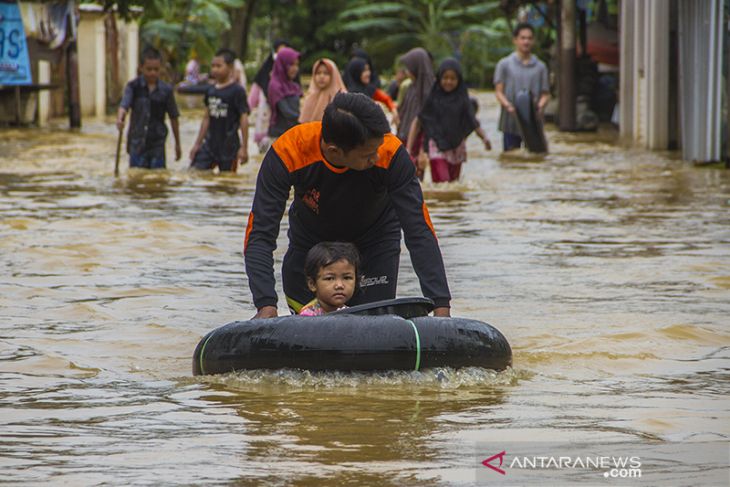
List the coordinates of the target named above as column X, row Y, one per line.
column 72, row 77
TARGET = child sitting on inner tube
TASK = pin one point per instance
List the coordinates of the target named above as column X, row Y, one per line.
column 331, row 269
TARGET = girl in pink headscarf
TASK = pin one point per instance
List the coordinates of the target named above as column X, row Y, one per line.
column 326, row 83
column 284, row 92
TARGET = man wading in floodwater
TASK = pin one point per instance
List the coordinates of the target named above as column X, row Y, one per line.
column 521, row 70
column 354, row 182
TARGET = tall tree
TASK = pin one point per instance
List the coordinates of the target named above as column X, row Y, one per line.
column 237, row 38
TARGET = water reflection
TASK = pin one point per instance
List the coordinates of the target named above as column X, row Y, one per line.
column 149, row 184
column 327, row 421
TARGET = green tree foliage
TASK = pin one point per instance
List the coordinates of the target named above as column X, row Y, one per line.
column 310, row 26
column 476, row 32
column 176, row 27
column 482, row 46
column 432, row 24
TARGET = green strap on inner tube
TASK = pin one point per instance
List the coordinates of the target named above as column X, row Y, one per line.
column 418, row 345
column 202, row 352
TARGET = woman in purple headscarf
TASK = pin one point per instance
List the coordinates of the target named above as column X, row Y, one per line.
column 284, row 92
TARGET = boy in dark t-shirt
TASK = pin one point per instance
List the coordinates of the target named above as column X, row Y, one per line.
column 226, row 112
column 149, row 99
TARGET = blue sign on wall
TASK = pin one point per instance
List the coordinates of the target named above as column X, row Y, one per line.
column 14, row 63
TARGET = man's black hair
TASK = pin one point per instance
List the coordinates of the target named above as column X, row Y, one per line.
column 228, row 56
column 521, row 26
column 327, row 253
column 351, row 119
column 150, row 52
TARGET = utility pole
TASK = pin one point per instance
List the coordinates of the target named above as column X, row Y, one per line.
column 566, row 84
column 727, row 85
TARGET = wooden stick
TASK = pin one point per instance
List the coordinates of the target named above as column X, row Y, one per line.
column 119, row 150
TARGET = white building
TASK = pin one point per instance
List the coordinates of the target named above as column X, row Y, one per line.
column 671, row 75
column 94, row 60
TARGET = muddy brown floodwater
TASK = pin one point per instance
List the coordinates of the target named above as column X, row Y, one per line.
column 607, row 268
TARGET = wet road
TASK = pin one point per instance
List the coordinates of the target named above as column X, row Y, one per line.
column 607, row 268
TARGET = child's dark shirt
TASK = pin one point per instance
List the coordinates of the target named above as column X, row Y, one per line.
column 147, row 129
column 225, row 107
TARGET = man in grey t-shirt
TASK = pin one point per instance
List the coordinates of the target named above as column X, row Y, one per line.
column 521, row 70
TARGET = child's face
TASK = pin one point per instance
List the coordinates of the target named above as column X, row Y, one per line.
column 449, row 80
column 365, row 75
column 293, row 69
column 220, row 71
column 151, row 70
column 322, row 76
column 335, row 285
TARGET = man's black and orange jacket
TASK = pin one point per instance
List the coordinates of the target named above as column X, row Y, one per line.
column 338, row 204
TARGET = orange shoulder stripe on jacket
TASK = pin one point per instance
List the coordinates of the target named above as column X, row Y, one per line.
column 387, row 150
column 299, row 146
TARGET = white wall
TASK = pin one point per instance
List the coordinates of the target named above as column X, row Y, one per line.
column 44, row 96
column 700, row 68
column 128, row 49
column 92, row 64
column 644, row 88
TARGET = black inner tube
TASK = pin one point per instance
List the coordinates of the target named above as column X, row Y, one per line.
column 344, row 341
column 530, row 125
